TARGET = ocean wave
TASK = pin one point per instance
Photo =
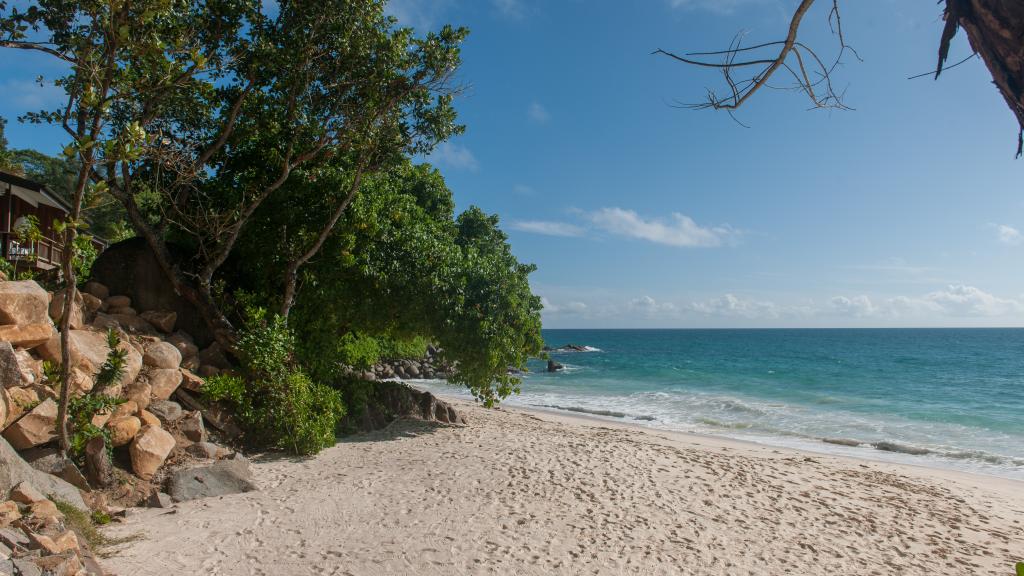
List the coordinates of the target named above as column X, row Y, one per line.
column 597, row 412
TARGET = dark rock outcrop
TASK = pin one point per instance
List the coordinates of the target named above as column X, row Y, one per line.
column 129, row 268
column 389, row 401
column 554, row 366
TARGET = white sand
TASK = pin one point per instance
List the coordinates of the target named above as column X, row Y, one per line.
column 528, row 493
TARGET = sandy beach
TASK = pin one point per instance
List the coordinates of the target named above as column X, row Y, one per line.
column 518, row 492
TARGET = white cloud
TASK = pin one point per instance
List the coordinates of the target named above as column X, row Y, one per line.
column 537, row 113
column 423, row 15
column 734, row 306
column 509, row 8
column 571, row 307
column 679, row 230
column 1007, row 234
column 859, row 306
column 956, row 300
column 547, row 228
column 650, row 306
column 454, row 156
column 960, row 300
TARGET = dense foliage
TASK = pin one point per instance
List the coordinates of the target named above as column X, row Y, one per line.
column 273, row 143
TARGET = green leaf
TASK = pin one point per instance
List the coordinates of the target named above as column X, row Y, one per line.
column 1020, row 568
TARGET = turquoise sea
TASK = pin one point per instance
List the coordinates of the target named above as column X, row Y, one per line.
column 950, row 398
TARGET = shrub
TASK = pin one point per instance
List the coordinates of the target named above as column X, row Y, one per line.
column 278, row 405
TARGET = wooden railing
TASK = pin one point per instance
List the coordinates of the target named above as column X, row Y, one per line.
column 43, row 252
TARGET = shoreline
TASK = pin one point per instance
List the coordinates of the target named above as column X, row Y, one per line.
column 527, row 492
column 813, row 445
column 695, row 439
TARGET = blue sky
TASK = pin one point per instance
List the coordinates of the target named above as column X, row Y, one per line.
column 906, row 211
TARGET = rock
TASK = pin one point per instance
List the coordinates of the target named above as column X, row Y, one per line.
column 149, row 450
column 184, row 343
column 85, row 345
column 45, row 509
column 25, row 493
column 100, row 419
column 132, row 364
column 208, row 371
column 140, row 392
column 191, row 382
column 18, row 401
column 214, row 414
column 130, row 323
column 162, row 320
column 81, row 382
column 113, row 302
column 31, row 368
column 56, row 309
column 91, row 304
column 9, row 513
column 26, row 567
column 26, row 336
column 389, row 400
column 24, row 302
column 148, row 418
column 164, row 381
column 207, row 450
column 64, row 564
column 10, row 367
column 13, row 538
column 167, row 411
column 123, row 311
column 192, row 426
column 36, row 427
column 554, row 366
column 123, row 430
column 159, row 500
column 126, row 408
column 49, row 460
column 214, row 355
column 162, row 355
column 99, row 470
column 97, row 290
column 230, row 476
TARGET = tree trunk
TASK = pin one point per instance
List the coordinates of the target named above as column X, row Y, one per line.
column 995, row 29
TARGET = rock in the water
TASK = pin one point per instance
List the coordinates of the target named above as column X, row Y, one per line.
column 14, row 470
column 24, row 302
column 162, row 320
column 554, row 366
column 99, row 470
column 164, row 381
column 26, row 336
column 162, row 355
column 149, row 450
column 192, row 426
column 159, row 500
column 230, row 476
column 37, row 427
column 167, row 411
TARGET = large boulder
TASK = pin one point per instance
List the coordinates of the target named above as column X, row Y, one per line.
column 162, row 355
column 224, row 477
column 37, row 427
column 24, row 302
column 14, row 470
column 149, row 450
column 192, row 426
column 26, row 336
column 129, row 268
column 167, row 411
column 123, row 430
column 390, row 400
